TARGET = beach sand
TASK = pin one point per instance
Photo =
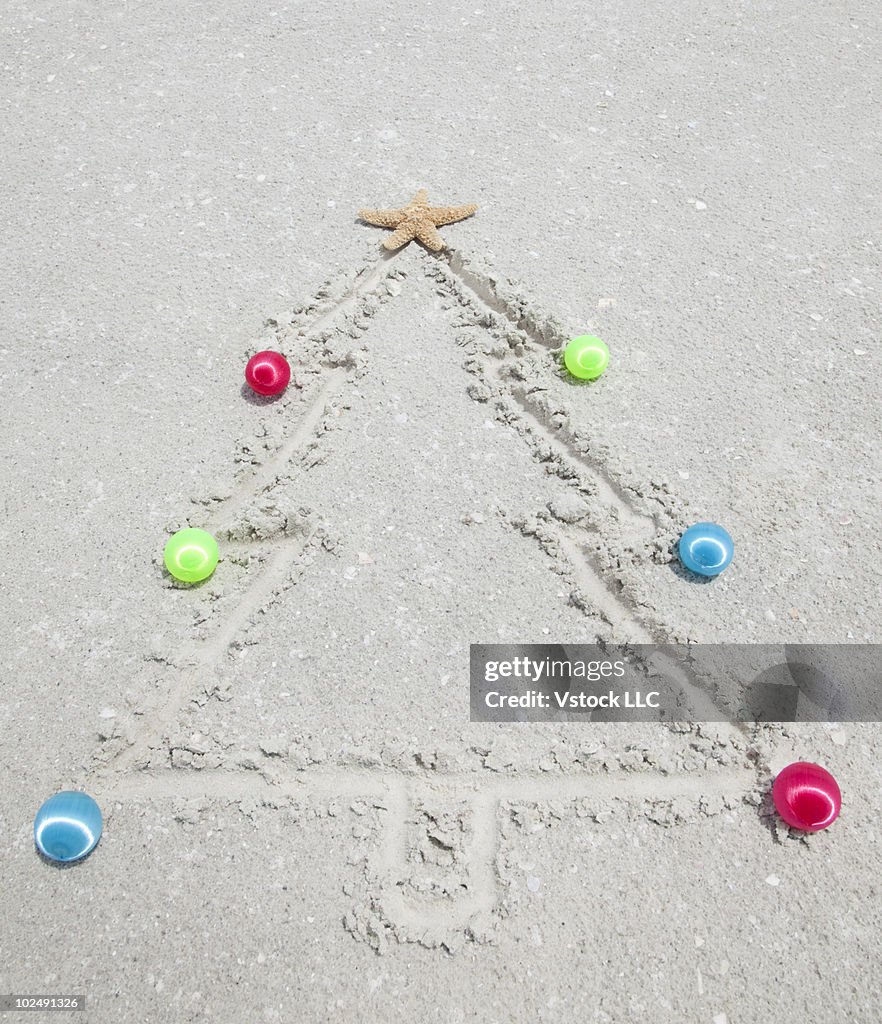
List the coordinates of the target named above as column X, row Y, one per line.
column 301, row 823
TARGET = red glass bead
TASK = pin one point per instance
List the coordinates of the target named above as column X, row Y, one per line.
column 268, row 373
column 807, row 796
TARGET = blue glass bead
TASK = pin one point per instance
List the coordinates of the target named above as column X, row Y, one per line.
column 706, row 548
column 68, row 826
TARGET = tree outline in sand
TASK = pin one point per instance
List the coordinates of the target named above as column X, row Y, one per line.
column 141, row 766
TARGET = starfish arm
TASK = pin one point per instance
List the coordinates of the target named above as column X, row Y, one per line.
column 440, row 215
column 430, row 238
column 401, row 236
column 382, row 218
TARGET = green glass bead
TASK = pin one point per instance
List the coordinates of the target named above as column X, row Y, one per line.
column 586, row 357
column 191, row 555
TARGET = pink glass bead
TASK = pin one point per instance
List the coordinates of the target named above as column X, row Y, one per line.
column 268, row 373
column 807, row 796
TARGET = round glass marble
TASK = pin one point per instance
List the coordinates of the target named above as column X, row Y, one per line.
column 706, row 549
column 807, row 796
column 586, row 357
column 191, row 555
column 68, row 826
column 268, row 373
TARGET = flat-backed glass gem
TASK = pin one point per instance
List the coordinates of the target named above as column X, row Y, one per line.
column 706, row 548
column 68, row 826
column 268, row 373
column 807, row 796
column 586, row 357
column 191, row 555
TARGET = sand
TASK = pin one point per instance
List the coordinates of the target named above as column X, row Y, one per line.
column 300, row 821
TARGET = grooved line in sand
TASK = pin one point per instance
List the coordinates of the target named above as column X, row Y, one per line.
column 267, row 474
column 484, row 291
column 612, row 609
column 635, row 527
column 484, row 295
column 209, row 652
column 367, row 279
column 354, row 781
column 398, row 792
column 279, row 564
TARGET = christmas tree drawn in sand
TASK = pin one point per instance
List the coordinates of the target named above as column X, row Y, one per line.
column 343, row 498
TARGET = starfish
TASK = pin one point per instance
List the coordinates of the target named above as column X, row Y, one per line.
column 417, row 220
